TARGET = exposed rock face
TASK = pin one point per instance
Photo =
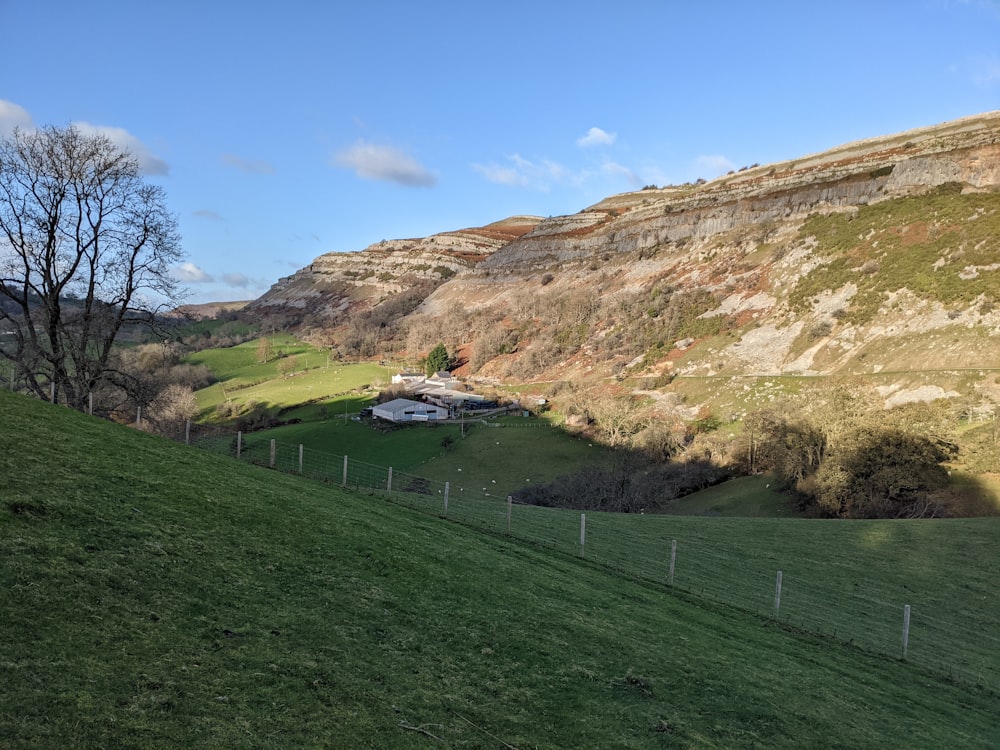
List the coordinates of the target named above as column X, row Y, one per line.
column 793, row 267
column 967, row 151
column 336, row 282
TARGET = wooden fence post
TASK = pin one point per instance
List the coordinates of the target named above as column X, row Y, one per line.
column 274, row 451
column 301, row 451
column 510, row 503
column 52, row 392
column 388, row 484
column 138, row 417
column 344, row 482
column 187, row 432
column 673, row 560
column 777, row 595
column 906, row 629
column 583, row 532
column 447, row 489
column 90, row 404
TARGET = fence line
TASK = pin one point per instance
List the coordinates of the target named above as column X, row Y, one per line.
column 639, row 547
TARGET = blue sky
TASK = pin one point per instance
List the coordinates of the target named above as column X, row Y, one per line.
column 284, row 130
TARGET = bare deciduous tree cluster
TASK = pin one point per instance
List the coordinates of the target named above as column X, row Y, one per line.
column 86, row 248
column 848, row 457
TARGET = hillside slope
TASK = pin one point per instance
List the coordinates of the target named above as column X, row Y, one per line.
column 156, row 596
column 879, row 258
column 337, row 283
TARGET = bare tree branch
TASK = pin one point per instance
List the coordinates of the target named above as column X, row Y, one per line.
column 86, row 249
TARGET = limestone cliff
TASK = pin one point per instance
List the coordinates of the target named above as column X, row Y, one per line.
column 876, row 257
column 337, row 282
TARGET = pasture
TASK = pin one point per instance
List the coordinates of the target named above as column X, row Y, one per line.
column 156, row 595
column 511, row 453
column 314, row 382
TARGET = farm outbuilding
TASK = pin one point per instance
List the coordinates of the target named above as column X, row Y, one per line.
column 405, row 410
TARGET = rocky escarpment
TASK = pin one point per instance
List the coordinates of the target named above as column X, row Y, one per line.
column 873, row 258
column 877, row 257
column 336, row 282
column 967, row 152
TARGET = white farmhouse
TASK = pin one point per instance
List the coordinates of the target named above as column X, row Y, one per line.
column 408, row 378
column 405, row 410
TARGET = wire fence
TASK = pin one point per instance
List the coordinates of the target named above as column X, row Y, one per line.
column 957, row 641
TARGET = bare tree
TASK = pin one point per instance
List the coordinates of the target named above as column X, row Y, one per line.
column 264, row 349
column 86, row 248
column 618, row 418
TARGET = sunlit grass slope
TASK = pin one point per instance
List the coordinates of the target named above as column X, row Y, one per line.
column 313, row 378
column 743, row 497
column 158, row 596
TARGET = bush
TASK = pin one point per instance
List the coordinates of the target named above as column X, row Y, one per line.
column 630, row 484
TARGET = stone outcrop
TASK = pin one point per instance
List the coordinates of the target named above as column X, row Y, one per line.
column 967, row 151
column 336, row 282
column 739, row 244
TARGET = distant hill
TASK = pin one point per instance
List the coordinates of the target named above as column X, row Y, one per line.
column 879, row 258
column 339, row 283
column 208, row 310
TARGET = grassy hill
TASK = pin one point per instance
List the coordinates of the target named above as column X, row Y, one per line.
column 156, row 596
column 310, row 378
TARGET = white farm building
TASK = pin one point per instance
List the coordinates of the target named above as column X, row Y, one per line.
column 405, row 410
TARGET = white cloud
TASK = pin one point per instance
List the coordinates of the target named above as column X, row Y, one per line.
column 238, row 280
column 712, row 166
column 501, row 175
column 189, row 273
column 596, row 137
column 623, row 171
column 252, row 166
column 655, row 176
column 149, row 163
column 206, row 213
column 13, row 116
column 374, row 162
column 525, row 173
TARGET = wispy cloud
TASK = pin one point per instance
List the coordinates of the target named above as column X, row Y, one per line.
column 596, row 137
column 205, row 213
column 149, row 163
column 13, row 116
column 712, row 166
column 375, row 162
column 534, row 175
column 985, row 70
column 189, row 273
column 990, row 6
column 616, row 169
column 238, row 280
column 501, row 175
column 251, row 166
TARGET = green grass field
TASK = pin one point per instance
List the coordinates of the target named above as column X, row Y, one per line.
column 156, row 595
column 315, row 382
column 404, row 449
column 743, row 497
column 501, row 458
column 512, row 453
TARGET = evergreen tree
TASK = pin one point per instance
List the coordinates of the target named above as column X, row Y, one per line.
column 438, row 360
